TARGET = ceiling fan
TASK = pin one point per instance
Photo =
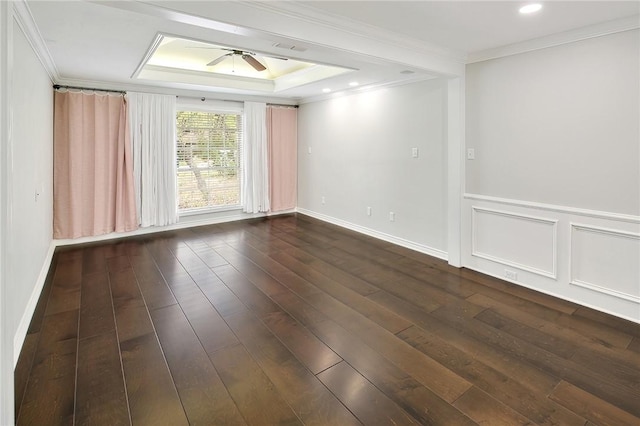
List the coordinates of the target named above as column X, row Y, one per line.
column 247, row 56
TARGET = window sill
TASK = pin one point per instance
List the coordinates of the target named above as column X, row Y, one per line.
column 207, row 210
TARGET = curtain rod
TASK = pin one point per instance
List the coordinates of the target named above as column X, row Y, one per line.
column 57, row 86
column 283, row 105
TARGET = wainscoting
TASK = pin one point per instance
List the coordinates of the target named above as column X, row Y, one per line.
column 587, row 257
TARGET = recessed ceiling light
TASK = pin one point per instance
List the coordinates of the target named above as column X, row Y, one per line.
column 326, row 90
column 354, row 84
column 530, row 8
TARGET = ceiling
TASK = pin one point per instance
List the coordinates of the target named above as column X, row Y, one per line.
column 107, row 44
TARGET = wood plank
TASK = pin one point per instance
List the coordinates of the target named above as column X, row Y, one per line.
column 202, row 393
column 304, row 393
column 620, row 324
column 154, row 289
column 213, row 332
column 511, row 393
column 384, row 279
column 96, row 310
column 476, row 348
column 100, row 391
column 252, row 391
column 590, row 407
column 276, row 275
column 132, row 316
column 598, row 333
column 93, row 260
column 596, row 382
column 361, row 397
column 484, row 409
column 563, row 336
column 346, row 279
column 418, row 401
column 257, row 302
column 306, row 347
column 519, row 327
column 208, row 255
column 49, row 397
column 65, row 289
column 634, row 345
column 422, row 394
column 429, row 373
column 152, row 395
column 355, row 301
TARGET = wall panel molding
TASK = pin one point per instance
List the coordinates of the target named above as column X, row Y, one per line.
column 600, row 261
column 555, row 208
column 538, row 255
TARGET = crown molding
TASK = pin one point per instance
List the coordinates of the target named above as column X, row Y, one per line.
column 27, row 24
column 313, row 15
column 571, row 36
column 363, row 89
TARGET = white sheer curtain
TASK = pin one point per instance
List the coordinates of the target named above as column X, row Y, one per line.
column 153, row 134
column 255, row 173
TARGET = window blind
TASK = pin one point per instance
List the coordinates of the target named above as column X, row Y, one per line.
column 209, row 147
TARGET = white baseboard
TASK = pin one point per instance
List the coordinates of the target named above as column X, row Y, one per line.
column 23, row 326
column 440, row 254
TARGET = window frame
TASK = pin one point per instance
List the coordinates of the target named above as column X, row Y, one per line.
column 212, row 107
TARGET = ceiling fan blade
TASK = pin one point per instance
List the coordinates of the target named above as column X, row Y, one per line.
column 218, row 60
column 254, row 62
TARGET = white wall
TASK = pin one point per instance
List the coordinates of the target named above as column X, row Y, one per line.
column 553, row 194
column 558, row 125
column 361, row 155
column 30, row 224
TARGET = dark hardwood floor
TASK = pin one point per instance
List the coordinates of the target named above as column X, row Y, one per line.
column 290, row 320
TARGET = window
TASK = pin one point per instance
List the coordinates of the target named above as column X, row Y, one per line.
column 209, row 163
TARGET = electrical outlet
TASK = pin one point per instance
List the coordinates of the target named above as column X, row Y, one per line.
column 322, row 199
column 309, row 150
column 511, row 275
column 392, row 216
column 414, row 152
column 368, row 211
column 471, row 154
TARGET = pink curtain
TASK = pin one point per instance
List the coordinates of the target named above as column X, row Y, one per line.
column 93, row 167
column 282, row 141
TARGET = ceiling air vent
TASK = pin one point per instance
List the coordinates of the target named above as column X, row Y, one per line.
column 289, row 47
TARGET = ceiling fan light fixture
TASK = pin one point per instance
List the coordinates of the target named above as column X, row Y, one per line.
column 530, row 8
